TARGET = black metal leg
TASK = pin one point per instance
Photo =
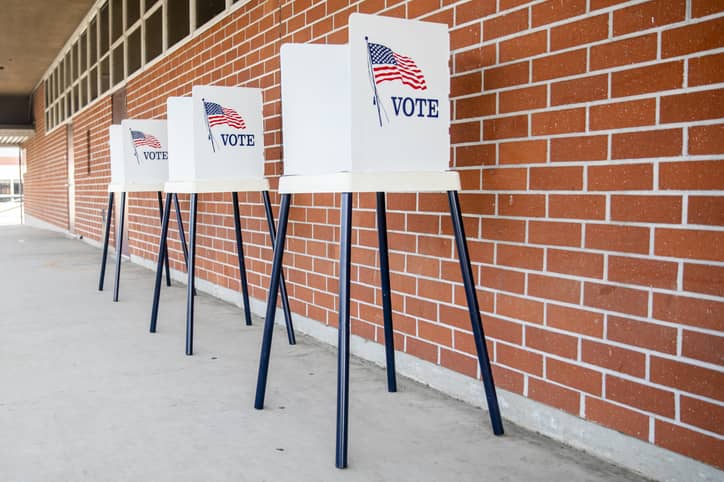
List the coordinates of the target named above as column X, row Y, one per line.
column 386, row 292
column 191, row 282
column 240, row 255
column 345, row 252
column 162, row 249
column 282, row 285
column 165, row 256
column 271, row 304
column 106, row 237
column 474, row 309
column 119, row 246
column 181, row 232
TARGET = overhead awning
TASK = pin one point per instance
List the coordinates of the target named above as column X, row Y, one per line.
column 15, row 136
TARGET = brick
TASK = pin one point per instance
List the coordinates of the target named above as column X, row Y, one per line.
column 644, row 272
column 708, row 69
column 475, row 59
column 622, row 114
column 504, row 230
column 505, row 127
column 648, row 15
column 611, row 237
column 553, row 288
column 616, row 298
column 614, row 358
column 502, row 279
column 692, row 38
column 559, row 121
column 458, row 362
column 640, row 396
column 421, row 349
column 623, row 52
column 692, row 175
column 519, row 308
column 471, row 83
column 505, row 24
column 689, row 378
column 645, row 335
column 502, row 179
column 476, row 155
column 701, row 8
column 576, row 149
column 703, row 346
column 577, row 263
column 689, row 243
column 707, row 210
column 646, row 209
column 580, row 32
column 556, row 178
column 508, row 4
column 465, row 36
column 574, row 206
column 627, row 421
column 576, row 376
column 642, row 80
column 519, row 359
column 706, row 139
column 523, row 46
column 527, row 98
column 523, row 152
column 435, row 333
column 552, row 342
column 555, row 10
column 693, row 106
column 704, row 278
column 554, row 395
column 526, row 205
column 481, row 105
column 465, row 132
column 690, row 443
column 554, row 233
column 636, row 145
column 473, row 203
column 702, row 414
column 701, row 313
column 574, row 91
column 574, row 320
column 470, row 180
column 597, row 4
column 507, row 75
column 508, row 379
column 474, row 10
column 559, row 65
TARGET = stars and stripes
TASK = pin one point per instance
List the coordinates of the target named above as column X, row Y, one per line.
column 142, row 139
column 218, row 115
column 388, row 65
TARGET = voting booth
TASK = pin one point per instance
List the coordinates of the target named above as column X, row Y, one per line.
column 370, row 116
column 216, row 144
column 139, row 163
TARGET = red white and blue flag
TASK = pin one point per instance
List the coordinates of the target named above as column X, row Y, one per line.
column 388, row 65
column 142, row 139
column 219, row 115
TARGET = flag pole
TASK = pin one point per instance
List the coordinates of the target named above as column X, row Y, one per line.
column 208, row 127
column 135, row 151
column 376, row 98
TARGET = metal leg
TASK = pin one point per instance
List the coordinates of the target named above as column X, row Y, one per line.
column 271, row 304
column 165, row 259
column 386, row 292
column 282, row 285
column 162, row 249
column 106, row 237
column 181, row 233
column 119, row 246
column 191, row 273
column 345, row 252
column 240, row 254
column 474, row 309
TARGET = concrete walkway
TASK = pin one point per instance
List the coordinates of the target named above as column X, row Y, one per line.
column 87, row 394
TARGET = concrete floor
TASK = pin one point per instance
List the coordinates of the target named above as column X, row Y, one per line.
column 87, row 394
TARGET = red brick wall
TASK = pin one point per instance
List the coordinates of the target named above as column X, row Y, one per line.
column 589, row 139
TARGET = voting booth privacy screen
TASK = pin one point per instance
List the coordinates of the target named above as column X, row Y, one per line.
column 139, row 155
column 217, row 134
column 378, row 104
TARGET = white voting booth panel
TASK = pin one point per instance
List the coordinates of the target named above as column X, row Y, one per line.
column 216, row 141
column 372, row 115
column 139, row 155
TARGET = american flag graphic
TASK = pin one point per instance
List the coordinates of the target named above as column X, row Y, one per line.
column 219, row 115
column 141, row 139
column 388, row 65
